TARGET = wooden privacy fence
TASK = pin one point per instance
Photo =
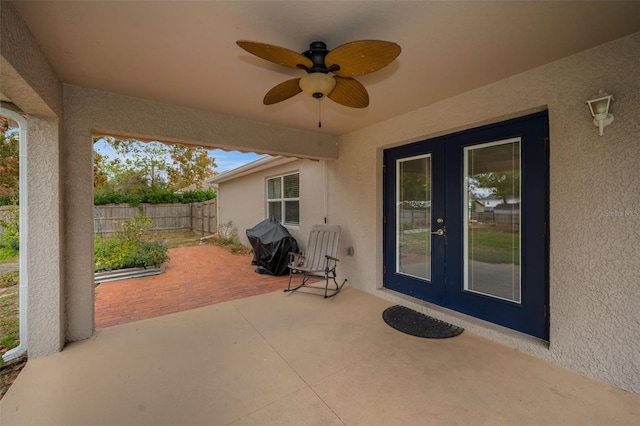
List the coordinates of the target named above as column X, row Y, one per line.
column 197, row 217
column 414, row 218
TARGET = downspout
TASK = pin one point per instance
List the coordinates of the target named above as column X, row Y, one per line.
column 217, row 210
column 22, row 291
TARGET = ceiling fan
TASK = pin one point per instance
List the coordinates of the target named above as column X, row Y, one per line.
column 329, row 72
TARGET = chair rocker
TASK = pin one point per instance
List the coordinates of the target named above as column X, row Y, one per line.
column 319, row 263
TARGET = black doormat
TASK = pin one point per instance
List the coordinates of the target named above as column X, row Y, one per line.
column 416, row 324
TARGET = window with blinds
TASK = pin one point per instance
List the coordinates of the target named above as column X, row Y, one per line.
column 283, row 198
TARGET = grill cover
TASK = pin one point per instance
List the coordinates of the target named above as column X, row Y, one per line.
column 271, row 243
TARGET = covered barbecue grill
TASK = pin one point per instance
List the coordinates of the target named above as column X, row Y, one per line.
column 271, row 243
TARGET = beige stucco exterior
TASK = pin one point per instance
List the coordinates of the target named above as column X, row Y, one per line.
column 26, row 75
column 594, row 204
column 594, row 296
column 242, row 200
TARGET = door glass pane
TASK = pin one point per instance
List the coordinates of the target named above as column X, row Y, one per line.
column 492, row 219
column 413, row 216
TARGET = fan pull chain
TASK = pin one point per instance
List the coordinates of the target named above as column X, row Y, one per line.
column 320, row 114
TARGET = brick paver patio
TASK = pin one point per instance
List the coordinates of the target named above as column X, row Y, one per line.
column 195, row 276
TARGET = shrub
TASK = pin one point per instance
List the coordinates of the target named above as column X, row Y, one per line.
column 160, row 196
column 9, row 279
column 8, row 200
column 197, row 196
column 10, row 233
column 109, row 196
column 132, row 247
column 151, row 196
column 7, row 254
column 227, row 237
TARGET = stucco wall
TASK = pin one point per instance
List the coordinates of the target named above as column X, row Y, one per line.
column 117, row 115
column 594, row 204
column 243, row 200
column 31, row 84
column 595, row 200
column 92, row 111
column 25, row 75
column 44, row 242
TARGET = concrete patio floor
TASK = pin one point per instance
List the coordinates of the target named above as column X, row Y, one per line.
column 280, row 358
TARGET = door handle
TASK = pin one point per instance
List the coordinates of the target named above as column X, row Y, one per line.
column 440, row 232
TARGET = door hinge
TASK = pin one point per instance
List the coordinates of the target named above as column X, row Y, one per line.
column 384, row 168
column 546, row 228
column 546, row 311
column 384, row 270
column 545, row 141
column 384, row 219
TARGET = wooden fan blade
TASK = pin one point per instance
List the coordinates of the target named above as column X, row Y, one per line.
column 282, row 91
column 276, row 54
column 349, row 92
column 362, row 57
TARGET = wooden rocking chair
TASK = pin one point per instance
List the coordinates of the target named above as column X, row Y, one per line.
column 319, row 263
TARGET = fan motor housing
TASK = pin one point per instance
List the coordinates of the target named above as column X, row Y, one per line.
column 316, row 53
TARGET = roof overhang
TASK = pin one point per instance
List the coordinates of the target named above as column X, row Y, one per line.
column 263, row 163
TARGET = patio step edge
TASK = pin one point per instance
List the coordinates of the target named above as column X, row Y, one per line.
column 123, row 274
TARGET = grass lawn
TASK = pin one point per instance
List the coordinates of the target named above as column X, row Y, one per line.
column 495, row 247
column 486, row 245
column 9, row 323
column 179, row 239
column 9, row 326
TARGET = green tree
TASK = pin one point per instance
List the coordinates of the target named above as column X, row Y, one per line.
column 503, row 184
column 100, row 177
column 414, row 187
column 9, row 160
column 190, row 166
column 137, row 162
column 140, row 166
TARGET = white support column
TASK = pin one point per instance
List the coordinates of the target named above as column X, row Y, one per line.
column 78, row 225
column 44, row 236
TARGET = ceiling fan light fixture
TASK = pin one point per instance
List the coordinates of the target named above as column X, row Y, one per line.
column 317, row 84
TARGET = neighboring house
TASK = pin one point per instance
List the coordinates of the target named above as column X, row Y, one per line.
column 585, row 314
column 289, row 189
column 479, row 206
column 491, row 202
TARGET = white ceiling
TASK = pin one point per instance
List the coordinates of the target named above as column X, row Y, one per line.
column 184, row 52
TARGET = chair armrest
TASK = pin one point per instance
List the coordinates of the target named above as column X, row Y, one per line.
column 335, row 259
column 296, row 259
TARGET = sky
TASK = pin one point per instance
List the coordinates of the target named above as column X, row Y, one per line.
column 225, row 160
column 231, row 159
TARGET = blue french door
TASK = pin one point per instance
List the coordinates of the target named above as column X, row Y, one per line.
column 466, row 222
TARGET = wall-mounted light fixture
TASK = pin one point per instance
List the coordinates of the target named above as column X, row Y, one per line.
column 599, row 107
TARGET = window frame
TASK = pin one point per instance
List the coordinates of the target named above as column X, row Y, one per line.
column 282, row 199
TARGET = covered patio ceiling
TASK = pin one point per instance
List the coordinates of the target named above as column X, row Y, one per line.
column 184, row 52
